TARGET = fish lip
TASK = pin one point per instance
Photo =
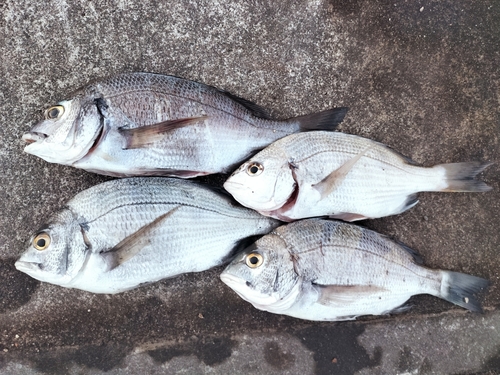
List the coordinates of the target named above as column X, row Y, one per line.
column 33, row 137
column 229, row 279
column 27, row 267
column 228, row 183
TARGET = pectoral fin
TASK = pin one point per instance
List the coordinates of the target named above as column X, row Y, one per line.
column 131, row 245
column 344, row 294
column 334, row 179
column 146, row 135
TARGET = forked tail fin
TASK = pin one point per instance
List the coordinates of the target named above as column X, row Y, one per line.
column 461, row 289
column 325, row 120
column 460, row 176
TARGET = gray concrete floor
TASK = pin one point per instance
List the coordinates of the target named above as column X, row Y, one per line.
column 420, row 76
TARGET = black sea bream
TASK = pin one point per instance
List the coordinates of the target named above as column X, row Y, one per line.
column 330, row 270
column 120, row 234
column 150, row 124
column 342, row 176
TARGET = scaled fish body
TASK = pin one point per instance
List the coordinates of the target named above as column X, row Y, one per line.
column 122, row 233
column 328, row 270
column 150, row 124
column 342, row 176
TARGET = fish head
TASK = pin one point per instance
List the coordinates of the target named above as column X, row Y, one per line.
column 263, row 274
column 263, row 184
column 67, row 132
column 56, row 252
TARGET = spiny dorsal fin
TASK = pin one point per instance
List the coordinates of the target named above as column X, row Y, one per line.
column 334, row 179
column 146, row 135
column 255, row 109
column 131, row 245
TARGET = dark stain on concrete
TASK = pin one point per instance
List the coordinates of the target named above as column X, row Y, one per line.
column 493, row 363
column 426, row 367
column 345, row 8
column 211, row 351
column 17, row 287
column 406, row 360
column 336, row 348
column 102, row 357
column 277, row 357
column 409, row 362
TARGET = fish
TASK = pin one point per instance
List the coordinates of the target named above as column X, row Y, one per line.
column 145, row 124
column 341, row 176
column 328, row 270
column 124, row 233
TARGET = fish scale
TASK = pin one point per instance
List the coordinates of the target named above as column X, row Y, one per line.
column 329, row 270
column 122, row 233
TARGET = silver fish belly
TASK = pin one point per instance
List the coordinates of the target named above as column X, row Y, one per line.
column 120, row 234
column 341, row 176
column 328, row 270
column 138, row 124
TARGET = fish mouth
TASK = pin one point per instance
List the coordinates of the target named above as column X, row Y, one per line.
column 237, row 284
column 231, row 279
column 27, row 267
column 242, row 192
column 33, row 137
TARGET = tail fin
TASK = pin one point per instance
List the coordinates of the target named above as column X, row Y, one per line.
column 325, row 120
column 460, row 176
column 460, row 289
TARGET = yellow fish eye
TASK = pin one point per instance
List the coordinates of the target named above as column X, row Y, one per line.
column 54, row 112
column 254, row 260
column 41, row 241
column 254, row 169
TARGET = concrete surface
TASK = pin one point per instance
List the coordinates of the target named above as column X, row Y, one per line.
column 420, row 76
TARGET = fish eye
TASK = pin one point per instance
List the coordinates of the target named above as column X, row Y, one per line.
column 254, row 260
column 255, row 169
column 41, row 241
column 54, row 112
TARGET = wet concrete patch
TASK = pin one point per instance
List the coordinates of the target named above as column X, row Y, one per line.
column 278, row 358
column 211, row 350
column 336, row 349
column 101, row 357
column 493, row 363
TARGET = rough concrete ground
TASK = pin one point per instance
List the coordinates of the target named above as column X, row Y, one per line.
column 421, row 76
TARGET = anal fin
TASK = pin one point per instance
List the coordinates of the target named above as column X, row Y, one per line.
column 347, row 216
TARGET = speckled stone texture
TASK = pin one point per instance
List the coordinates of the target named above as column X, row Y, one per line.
column 421, row 77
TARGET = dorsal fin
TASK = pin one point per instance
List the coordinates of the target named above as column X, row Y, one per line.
column 255, row 109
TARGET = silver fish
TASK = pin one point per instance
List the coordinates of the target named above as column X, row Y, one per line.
column 342, row 176
column 328, row 270
column 120, row 234
column 150, row 124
